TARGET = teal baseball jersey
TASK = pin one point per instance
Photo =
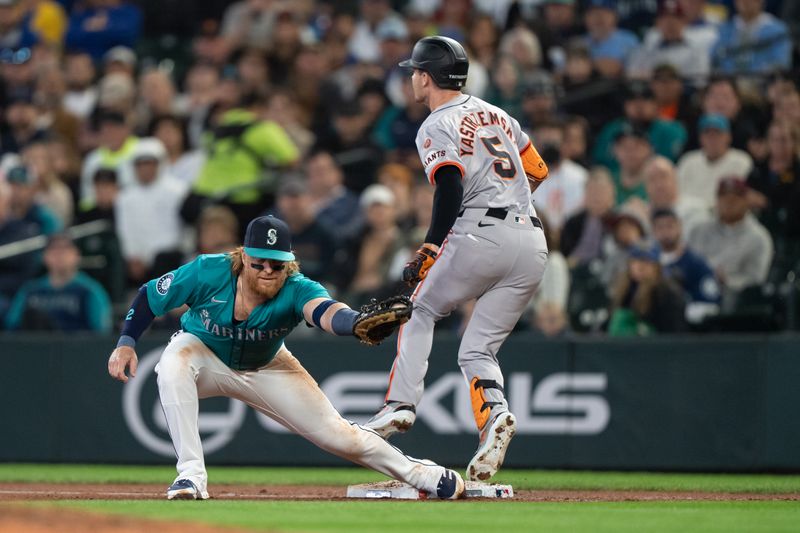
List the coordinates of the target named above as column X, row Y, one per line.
column 208, row 286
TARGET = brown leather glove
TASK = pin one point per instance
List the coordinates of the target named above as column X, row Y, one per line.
column 416, row 269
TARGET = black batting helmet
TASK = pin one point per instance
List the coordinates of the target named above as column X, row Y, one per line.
column 441, row 57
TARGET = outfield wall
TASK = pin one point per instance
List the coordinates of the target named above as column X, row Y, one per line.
column 722, row 403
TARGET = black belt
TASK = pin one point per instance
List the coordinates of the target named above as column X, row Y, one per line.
column 499, row 212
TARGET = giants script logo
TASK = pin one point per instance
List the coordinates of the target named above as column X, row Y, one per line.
column 563, row 403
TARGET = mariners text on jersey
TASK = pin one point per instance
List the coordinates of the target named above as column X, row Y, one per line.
column 471, row 122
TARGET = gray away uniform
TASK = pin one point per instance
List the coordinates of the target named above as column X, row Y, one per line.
column 494, row 252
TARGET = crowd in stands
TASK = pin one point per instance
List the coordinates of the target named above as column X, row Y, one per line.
column 136, row 135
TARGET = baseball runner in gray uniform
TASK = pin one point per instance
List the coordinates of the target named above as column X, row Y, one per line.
column 484, row 243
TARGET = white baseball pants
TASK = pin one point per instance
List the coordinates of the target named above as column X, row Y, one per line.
column 282, row 390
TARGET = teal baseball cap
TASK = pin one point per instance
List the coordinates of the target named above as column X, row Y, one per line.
column 268, row 238
column 713, row 121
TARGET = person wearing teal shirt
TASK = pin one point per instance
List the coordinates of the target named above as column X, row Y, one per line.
column 242, row 305
column 63, row 300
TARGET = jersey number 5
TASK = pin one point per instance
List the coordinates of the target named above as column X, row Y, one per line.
column 503, row 165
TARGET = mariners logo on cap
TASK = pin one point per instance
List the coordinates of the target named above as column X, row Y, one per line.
column 272, row 236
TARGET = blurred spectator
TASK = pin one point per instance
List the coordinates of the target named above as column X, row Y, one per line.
column 252, row 70
column 422, row 207
column 120, row 60
column 358, row 155
column 685, row 268
column 117, row 146
column 722, row 97
column 209, row 46
column 66, row 164
column 700, row 171
column 587, row 93
column 43, row 22
column 65, row 299
column 49, row 97
column 157, row 97
column 636, row 15
column 629, row 228
column 217, row 230
column 396, row 130
column 752, row 42
column 148, row 222
column 610, row 46
column 561, row 195
column 786, row 107
column 374, row 16
column 539, row 99
column 283, row 110
column 523, row 47
column 549, row 304
column 584, row 234
column 24, row 204
column 482, row 40
column 505, row 90
column 645, row 302
column 672, row 47
column 671, row 97
column 394, row 47
column 15, row 268
column 336, row 207
column 106, row 190
column 117, row 93
column 96, row 26
column 776, row 181
column 735, row 244
column 200, row 92
column 703, row 26
column 576, row 140
column 242, row 154
column 22, row 122
column 249, row 23
column 182, row 162
column 81, row 96
column 313, row 242
column 51, row 192
column 10, row 30
column 632, row 150
column 400, row 181
column 661, row 184
column 640, row 110
column 17, row 69
column 372, row 253
column 557, row 25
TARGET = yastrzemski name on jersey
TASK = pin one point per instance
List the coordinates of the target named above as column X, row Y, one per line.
column 485, row 143
column 472, row 121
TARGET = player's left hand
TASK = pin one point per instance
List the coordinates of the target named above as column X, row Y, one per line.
column 378, row 320
column 416, row 269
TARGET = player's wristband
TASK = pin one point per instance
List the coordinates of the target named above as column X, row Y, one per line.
column 343, row 321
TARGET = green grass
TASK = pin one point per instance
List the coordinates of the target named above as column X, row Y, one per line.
column 669, row 517
column 521, row 479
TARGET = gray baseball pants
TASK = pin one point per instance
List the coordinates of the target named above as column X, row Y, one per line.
column 498, row 262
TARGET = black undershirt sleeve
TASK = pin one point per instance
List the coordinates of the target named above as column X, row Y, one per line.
column 446, row 203
column 139, row 317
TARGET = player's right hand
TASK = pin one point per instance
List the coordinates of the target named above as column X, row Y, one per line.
column 121, row 359
column 416, row 269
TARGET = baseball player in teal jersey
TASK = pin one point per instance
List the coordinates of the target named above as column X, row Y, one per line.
column 241, row 307
column 484, row 243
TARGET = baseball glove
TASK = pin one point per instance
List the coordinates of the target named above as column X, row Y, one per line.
column 377, row 320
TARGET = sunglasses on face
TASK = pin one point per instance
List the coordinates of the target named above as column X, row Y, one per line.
column 277, row 266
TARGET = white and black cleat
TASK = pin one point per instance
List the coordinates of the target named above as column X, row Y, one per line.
column 492, row 448
column 184, row 489
column 394, row 417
